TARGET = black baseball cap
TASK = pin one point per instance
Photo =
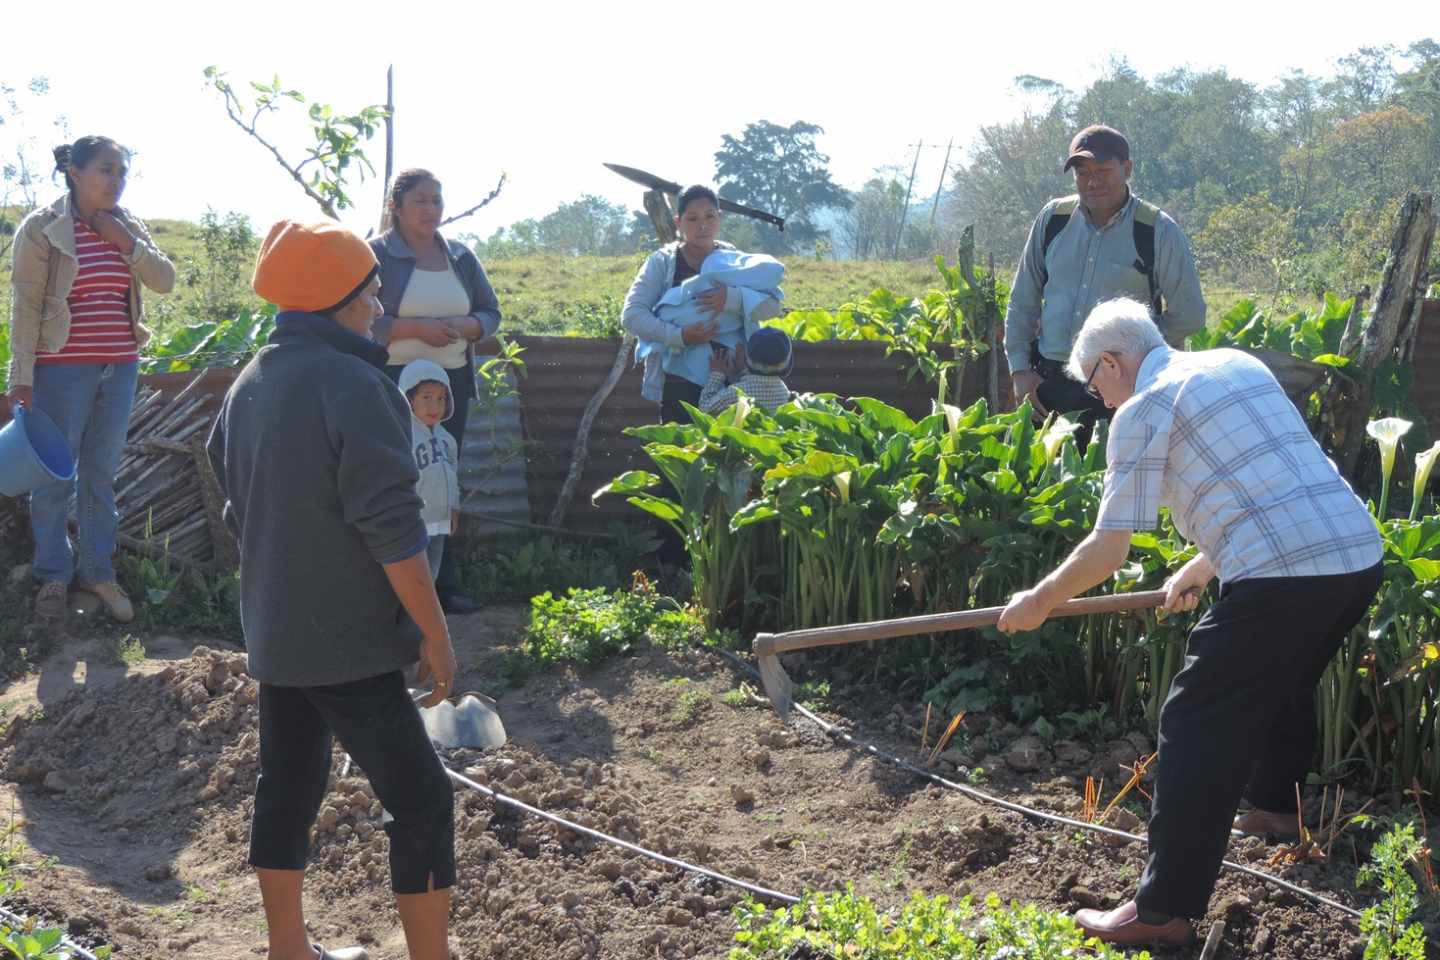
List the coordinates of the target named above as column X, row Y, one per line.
column 1098, row 142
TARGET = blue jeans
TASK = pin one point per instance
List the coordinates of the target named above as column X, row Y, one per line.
column 91, row 404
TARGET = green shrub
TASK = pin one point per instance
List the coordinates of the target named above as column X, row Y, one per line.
column 841, row 926
column 584, row 627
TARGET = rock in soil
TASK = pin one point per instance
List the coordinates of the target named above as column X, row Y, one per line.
column 1026, row 754
column 1262, row 941
column 1087, row 898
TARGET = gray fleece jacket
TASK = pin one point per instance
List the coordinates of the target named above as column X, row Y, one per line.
column 312, row 451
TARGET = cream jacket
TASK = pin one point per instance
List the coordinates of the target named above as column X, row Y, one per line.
column 45, row 268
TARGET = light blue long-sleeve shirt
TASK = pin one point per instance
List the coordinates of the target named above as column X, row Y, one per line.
column 1087, row 264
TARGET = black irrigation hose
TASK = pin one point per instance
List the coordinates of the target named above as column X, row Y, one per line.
column 17, row 922
column 499, row 797
column 836, row 733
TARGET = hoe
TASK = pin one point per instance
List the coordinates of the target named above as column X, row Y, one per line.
column 779, row 689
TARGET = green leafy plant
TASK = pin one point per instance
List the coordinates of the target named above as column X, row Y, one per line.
column 210, row 343
column 129, row 650
column 172, row 596
column 584, row 627
column 939, row 332
column 1388, row 933
column 840, row 926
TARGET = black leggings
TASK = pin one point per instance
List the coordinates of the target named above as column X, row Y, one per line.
column 379, row 726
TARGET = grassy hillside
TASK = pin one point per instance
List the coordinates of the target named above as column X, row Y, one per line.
column 543, row 294
column 554, row 294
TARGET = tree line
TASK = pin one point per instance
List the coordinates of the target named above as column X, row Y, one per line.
column 1288, row 188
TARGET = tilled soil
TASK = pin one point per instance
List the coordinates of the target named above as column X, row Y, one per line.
column 140, row 791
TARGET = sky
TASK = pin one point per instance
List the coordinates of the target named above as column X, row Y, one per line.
column 546, row 92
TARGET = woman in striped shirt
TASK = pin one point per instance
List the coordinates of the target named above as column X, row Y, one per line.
column 76, row 333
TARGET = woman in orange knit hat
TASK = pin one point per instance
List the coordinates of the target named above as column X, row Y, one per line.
column 312, row 448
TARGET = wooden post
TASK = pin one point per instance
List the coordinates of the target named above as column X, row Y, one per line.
column 580, row 453
column 389, row 139
column 661, row 215
column 994, row 338
column 1384, row 328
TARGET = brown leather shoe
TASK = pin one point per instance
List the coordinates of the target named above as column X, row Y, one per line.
column 114, row 597
column 1273, row 827
column 52, row 601
column 1122, row 926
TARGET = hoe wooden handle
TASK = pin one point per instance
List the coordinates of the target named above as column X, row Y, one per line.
column 769, row 644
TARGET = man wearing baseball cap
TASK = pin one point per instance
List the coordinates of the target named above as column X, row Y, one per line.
column 312, row 451
column 1101, row 243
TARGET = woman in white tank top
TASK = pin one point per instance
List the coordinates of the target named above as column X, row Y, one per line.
column 438, row 304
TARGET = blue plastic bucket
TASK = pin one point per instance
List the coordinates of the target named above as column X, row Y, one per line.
column 33, row 452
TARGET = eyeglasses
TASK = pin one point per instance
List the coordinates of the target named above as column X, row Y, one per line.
column 1094, row 391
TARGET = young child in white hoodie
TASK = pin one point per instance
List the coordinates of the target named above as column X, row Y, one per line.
column 427, row 387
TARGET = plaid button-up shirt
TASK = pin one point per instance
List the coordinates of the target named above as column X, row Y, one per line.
column 768, row 392
column 1212, row 436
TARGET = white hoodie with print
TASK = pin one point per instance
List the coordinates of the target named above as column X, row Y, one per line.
column 435, row 451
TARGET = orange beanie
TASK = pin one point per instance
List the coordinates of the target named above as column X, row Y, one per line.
column 312, row 266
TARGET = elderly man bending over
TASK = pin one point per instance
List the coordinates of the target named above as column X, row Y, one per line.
column 1212, row 436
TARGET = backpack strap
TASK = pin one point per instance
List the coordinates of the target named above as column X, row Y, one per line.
column 1058, row 218
column 1145, row 216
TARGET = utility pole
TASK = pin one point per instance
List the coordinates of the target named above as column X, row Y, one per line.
column 905, row 210
column 944, row 169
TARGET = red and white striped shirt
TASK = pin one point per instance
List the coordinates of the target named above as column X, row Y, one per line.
column 100, row 330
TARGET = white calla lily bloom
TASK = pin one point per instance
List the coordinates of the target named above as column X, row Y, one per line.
column 1056, row 434
column 1387, row 432
column 1424, row 463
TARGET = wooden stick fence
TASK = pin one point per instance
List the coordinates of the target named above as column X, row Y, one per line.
column 170, row 503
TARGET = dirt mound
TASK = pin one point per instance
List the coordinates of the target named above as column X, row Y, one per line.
column 177, row 751
column 151, row 746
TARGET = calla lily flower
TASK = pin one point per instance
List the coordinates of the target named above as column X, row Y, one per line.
column 1424, row 463
column 743, row 406
column 1055, row 436
column 1387, row 432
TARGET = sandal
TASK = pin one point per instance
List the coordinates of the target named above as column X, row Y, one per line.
column 344, row 953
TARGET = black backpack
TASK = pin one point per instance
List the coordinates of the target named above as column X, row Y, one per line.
column 1145, row 216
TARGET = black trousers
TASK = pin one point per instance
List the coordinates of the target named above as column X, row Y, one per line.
column 677, row 390
column 462, row 390
column 1240, row 722
column 379, row 726
column 1060, row 393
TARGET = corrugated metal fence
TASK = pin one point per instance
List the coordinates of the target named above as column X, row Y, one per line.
column 563, row 373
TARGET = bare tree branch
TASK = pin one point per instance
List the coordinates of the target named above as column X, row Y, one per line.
column 232, row 105
column 493, row 194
